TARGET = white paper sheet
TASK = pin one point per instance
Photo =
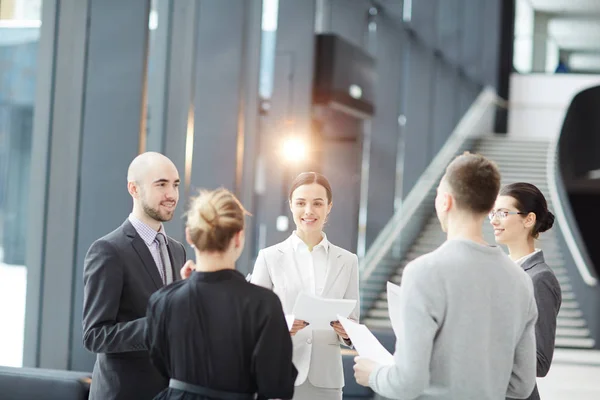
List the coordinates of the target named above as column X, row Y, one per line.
column 290, row 321
column 319, row 312
column 393, row 300
column 365, row 343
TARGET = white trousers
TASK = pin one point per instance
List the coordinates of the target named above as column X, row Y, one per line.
column 307, row 391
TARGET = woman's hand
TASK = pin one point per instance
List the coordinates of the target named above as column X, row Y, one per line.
column 298, row 325
column 339, row 329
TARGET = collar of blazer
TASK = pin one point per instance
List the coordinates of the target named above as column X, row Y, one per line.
column 537, row 258
column 335, row 264
column 143, row 252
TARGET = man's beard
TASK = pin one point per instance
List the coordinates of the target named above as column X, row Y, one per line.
column 154, row 213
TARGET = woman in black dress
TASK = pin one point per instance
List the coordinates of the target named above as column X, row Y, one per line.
column 215, row 335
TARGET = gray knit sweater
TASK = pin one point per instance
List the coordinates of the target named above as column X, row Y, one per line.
column 464, row 325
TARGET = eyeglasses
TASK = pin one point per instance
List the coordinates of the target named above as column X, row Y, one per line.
column 503, row 214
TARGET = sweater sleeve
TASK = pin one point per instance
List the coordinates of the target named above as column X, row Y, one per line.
column 416, row 322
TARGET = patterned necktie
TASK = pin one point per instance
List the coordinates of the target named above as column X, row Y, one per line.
column 164, row 256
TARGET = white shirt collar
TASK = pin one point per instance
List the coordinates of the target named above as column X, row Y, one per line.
column 297, row 243
column 522, row 260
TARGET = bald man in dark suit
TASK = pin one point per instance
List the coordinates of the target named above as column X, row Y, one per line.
column 122, row 270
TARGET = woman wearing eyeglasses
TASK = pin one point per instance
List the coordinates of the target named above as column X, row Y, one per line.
column 519, row 216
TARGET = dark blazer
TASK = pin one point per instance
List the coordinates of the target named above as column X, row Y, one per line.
column 119, row 277
column 548, row 298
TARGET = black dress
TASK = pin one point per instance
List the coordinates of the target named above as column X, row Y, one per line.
column 220, row 332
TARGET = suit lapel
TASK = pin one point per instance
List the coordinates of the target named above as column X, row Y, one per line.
column 335, row 264
column 143, row 253
column 286, row 260
column 146, row 257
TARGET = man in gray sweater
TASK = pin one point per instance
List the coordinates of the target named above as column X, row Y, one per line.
column 465, row 317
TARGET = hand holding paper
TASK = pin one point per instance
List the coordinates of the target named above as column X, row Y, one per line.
column 365, row 342
column 319, row 312
column 289, row 319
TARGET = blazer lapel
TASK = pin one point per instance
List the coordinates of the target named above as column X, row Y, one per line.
column 335, row 265
column 144, row 253
column 286, row 260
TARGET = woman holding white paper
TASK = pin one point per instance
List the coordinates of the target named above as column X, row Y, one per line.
column 308, row 262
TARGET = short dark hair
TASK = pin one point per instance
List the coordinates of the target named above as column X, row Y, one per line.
column 529, row 199
column 306, row 178
column 474, row 182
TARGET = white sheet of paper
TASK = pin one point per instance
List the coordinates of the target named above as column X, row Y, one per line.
column 289, row 319
column 393, row 297
column 319, row 312
column 365, row 342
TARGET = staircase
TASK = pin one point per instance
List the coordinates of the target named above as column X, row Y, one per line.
column 519, row 160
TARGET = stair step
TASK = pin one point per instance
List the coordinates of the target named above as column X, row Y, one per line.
column 569, row 314
column 572, row 332
column 379, row 313
column 570, row 322
column 570, row 305
column 582, row 343
column 567, row 295
column 377, row 323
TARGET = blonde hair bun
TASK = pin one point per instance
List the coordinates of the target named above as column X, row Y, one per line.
column 213, row 218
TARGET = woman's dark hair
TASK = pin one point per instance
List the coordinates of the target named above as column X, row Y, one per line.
column 306, row 178
column 529, row 199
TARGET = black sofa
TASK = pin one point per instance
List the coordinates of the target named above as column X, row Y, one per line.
column 43, row 384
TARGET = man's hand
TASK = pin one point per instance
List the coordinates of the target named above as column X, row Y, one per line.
column 187, row 269
column 362, row 370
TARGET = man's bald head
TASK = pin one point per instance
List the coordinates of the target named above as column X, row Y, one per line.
column 153, row 182
column 142, row 164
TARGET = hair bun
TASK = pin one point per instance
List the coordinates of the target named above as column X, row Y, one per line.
column 213, row 218
column 548, row 222
column 209, row 215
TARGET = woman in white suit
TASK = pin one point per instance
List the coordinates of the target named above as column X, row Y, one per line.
column 307, row 261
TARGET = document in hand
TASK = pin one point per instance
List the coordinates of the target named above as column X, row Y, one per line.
column 393, row 299
column 366, row 343
column 289, row 319
column 319, row 312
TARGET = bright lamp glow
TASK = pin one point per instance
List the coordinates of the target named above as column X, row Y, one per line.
column 294, row 149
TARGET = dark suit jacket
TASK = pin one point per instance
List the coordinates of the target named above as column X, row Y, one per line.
column 548, row 297
column 119, row 277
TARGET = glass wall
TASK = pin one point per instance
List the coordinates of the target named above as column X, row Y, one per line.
column 19, row 33
column 523, row 47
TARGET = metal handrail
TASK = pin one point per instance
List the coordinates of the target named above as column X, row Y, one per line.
column 469, row 127
column 578, row 253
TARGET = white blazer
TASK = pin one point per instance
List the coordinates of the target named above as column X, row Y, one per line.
column 317, row 355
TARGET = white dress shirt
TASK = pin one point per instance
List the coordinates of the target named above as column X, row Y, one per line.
column 312, row 264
